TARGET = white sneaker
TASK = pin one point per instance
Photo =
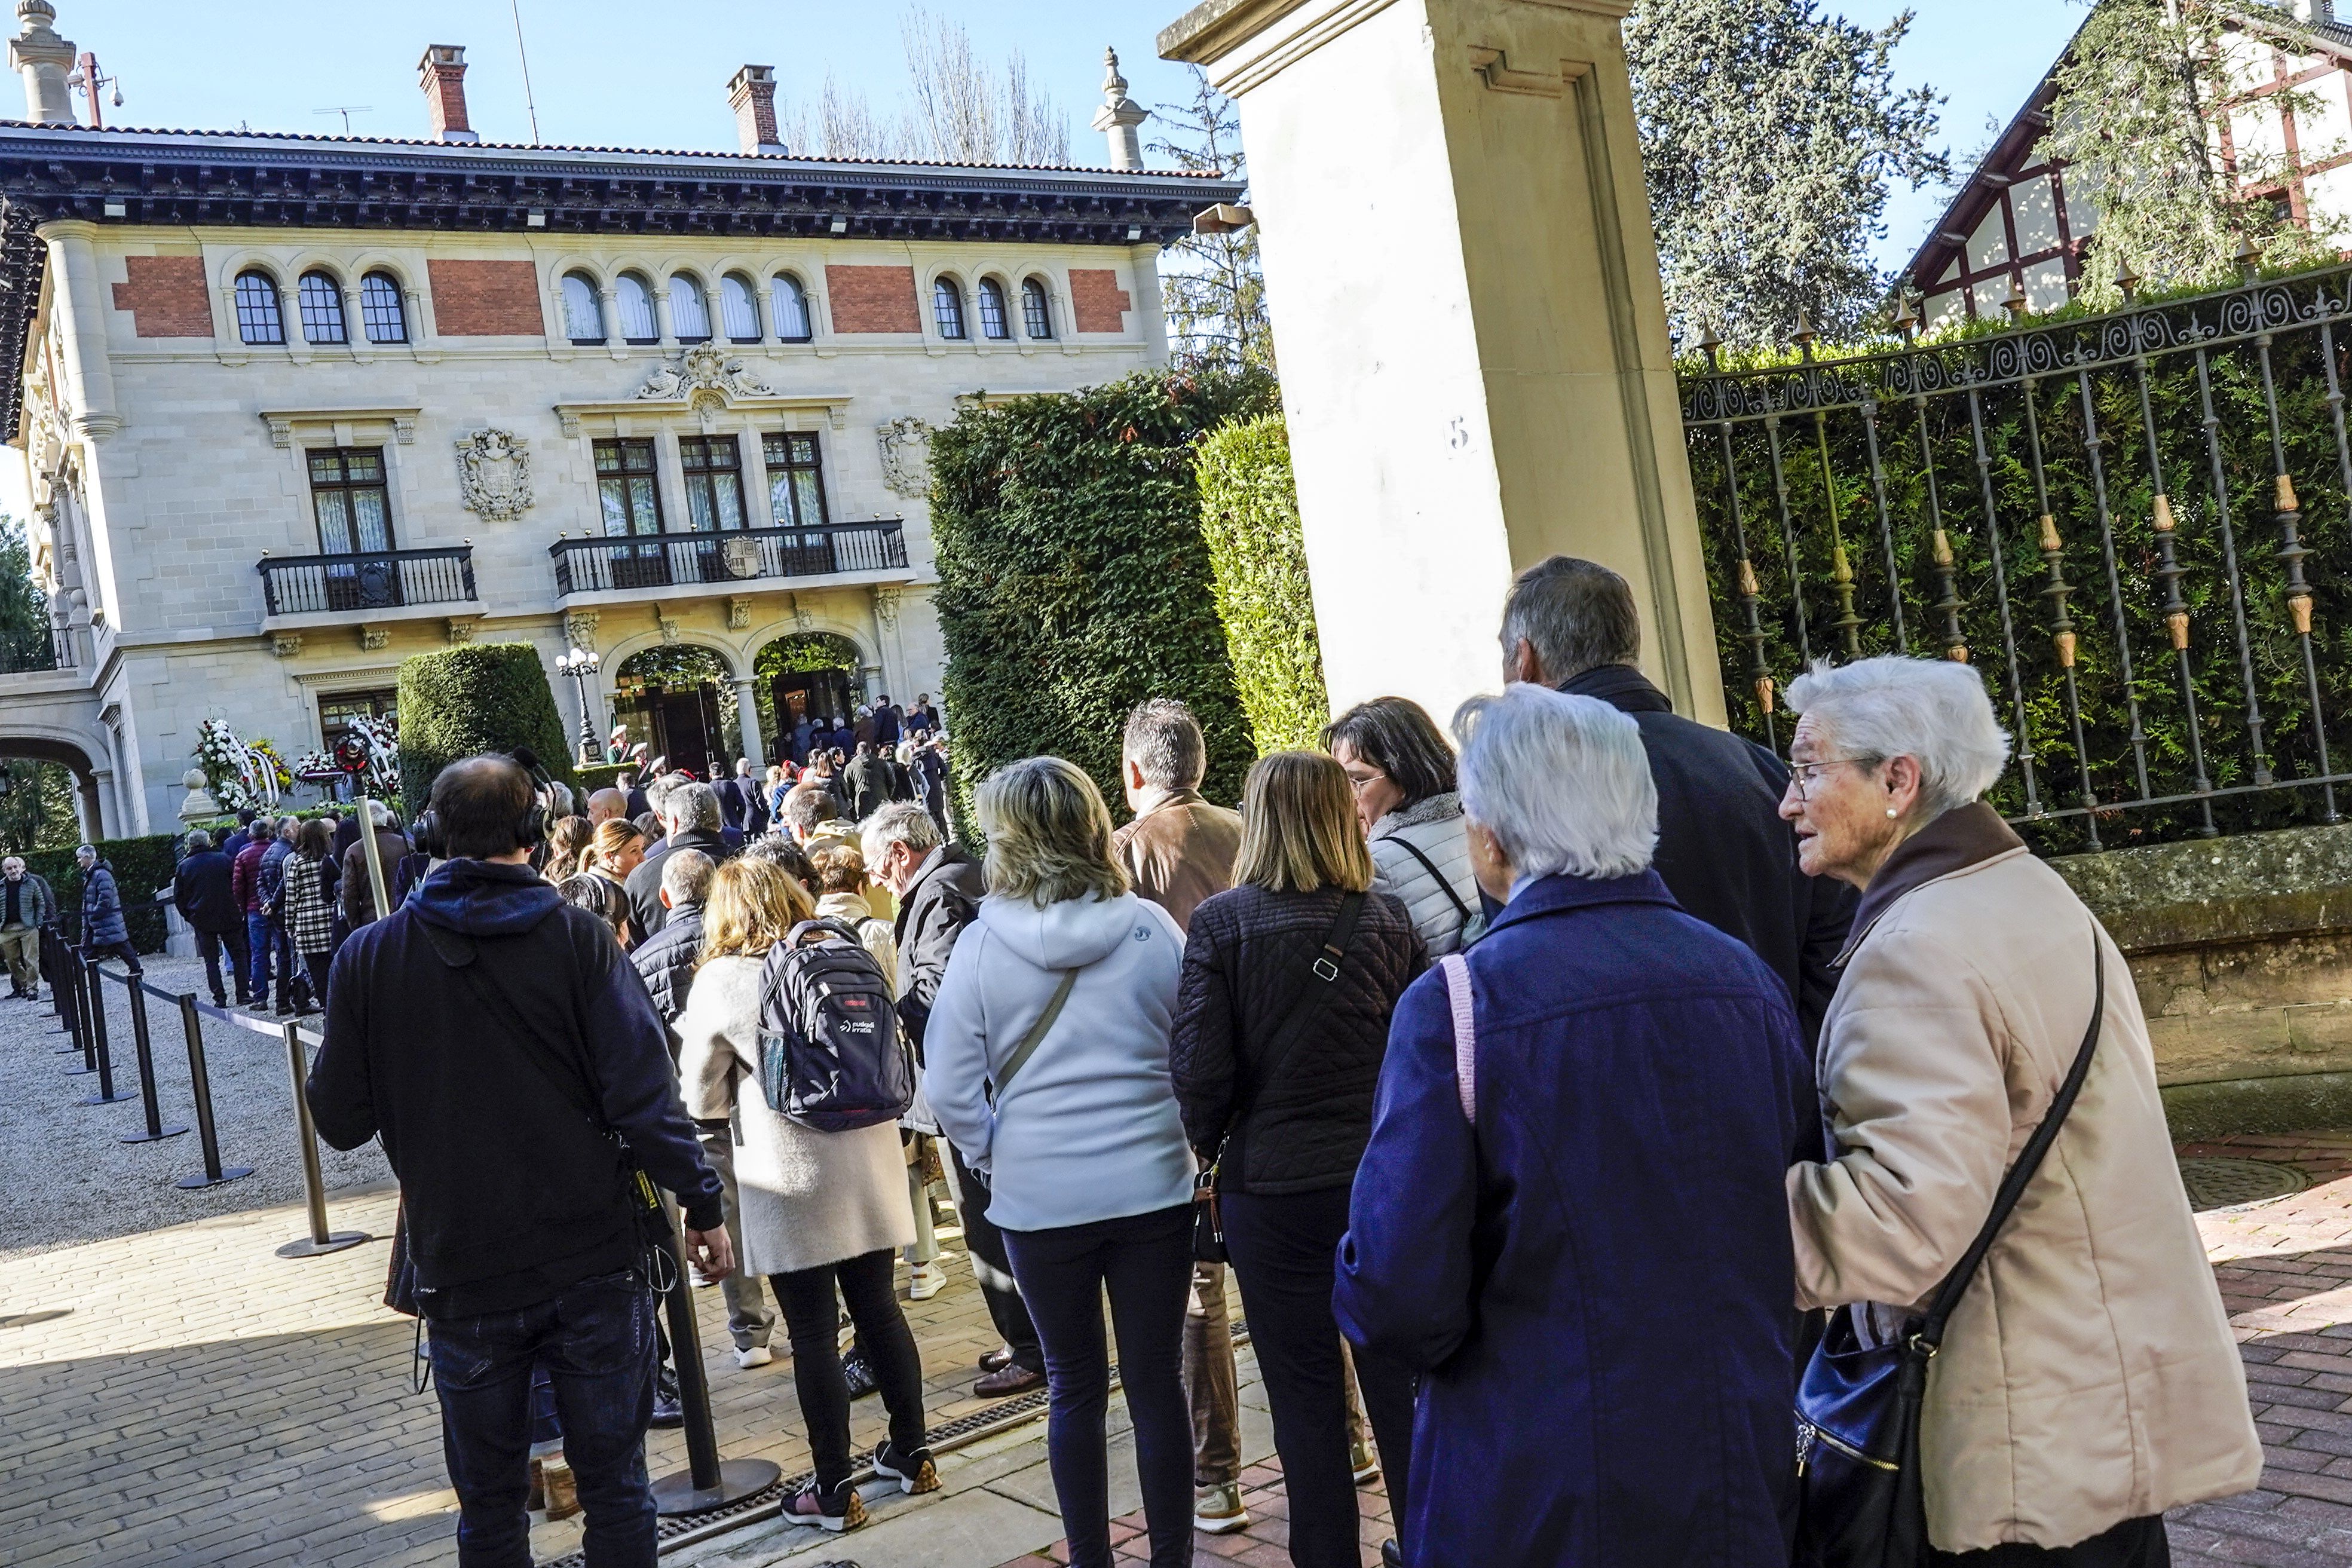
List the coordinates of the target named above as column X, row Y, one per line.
column 925, row 1280
column 757, row 1355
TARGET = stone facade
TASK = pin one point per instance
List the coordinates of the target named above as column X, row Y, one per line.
column 170, row 458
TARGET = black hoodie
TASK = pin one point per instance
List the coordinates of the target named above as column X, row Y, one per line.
column 512, row 1194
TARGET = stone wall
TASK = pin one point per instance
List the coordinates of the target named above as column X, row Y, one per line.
column 2242, row 950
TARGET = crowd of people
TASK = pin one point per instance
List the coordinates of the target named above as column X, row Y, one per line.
column 1550, row 1089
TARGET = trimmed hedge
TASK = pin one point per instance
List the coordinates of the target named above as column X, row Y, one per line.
column 1249, row 516
column 602, row 775
column 140, row 865
column 483, row 696
column 1074, row 580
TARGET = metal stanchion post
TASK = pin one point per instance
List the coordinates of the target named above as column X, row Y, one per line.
column 78, row 971
column 155, row 1128
column 707, row 1482
column 314, row 1182
column 200, row 1083
column 62, row 992
column 106, row 1094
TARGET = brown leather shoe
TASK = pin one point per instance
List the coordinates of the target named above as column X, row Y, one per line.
column 997, row 1360
column 563, row 1491
column 1006, row 1381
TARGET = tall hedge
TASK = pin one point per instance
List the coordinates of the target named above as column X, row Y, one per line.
column 483, row 696
column 140, row 865
column 1249, row 516
column 1074, row 579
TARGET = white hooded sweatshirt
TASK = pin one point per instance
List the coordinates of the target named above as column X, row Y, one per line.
column 1089, row 1130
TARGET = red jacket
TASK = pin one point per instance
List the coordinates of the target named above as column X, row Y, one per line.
column 244, row 877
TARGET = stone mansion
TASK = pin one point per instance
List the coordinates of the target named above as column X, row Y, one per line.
column 295, row 407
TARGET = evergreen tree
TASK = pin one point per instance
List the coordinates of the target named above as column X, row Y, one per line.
column 1769, row 133
column 36, row 799
column 1215, row 297
column 2136, row 123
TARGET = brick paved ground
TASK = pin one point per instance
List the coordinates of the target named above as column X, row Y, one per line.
column 1265, row 1544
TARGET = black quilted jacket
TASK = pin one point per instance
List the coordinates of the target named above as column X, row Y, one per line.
column 1246, row 956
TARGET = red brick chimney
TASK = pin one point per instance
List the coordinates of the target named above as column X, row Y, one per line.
column 441, row 74
column 752, row 93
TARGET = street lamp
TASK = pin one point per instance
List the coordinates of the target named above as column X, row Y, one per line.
column 579, row 664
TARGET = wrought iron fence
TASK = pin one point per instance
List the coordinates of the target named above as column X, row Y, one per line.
column 2171, row 482
column 380, row 580
column 35, row 650
column 737, row 555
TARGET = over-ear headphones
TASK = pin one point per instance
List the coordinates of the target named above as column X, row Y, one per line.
column 531, row 831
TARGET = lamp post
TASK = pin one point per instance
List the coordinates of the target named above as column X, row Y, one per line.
column 579, row 664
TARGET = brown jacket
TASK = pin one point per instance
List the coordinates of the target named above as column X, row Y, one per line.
column 1180, row 852
column 2089, row 1375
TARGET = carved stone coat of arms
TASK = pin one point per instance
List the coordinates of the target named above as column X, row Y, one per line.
column 494, row 474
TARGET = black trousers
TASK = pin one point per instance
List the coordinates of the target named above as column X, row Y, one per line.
column 1282, row 1248
column 240, row 959
column 1145, row 1262
column 991, row 1267
column 811, row 1322
column 2134, row 1544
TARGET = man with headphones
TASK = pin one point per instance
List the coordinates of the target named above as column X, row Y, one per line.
column 505, row 1051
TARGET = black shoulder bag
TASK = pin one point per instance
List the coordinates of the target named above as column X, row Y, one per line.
column 1207, row 1218
column 1860, row 1495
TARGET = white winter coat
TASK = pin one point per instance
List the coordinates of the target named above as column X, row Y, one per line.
column 1434, row 827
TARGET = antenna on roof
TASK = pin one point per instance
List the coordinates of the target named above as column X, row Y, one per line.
column 515, row 5
column 346, row 111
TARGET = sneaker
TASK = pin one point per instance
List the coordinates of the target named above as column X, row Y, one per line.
column 860, row 1373
column 926, row 1280
column 1364, row 1462
column 1007, row 1381
column 838, row 1509
column 913, row 1471
column 757, row 1355
column 1218, row 1511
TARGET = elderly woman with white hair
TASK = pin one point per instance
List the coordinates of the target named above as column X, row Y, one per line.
column 2086, row 1380
column 1569, row 1219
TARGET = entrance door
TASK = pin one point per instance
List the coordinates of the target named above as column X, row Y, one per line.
column 686, row 728
column 818, row 696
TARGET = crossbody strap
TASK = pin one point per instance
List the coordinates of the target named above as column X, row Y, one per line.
column 1313, row 989
column 1466, row 1032
column 1036, row 1034
column 1930, row 1332
column 1409, row 847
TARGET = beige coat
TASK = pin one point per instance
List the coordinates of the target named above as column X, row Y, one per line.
column 2089, row 1375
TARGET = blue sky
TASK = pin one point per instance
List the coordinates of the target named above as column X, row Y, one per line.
column 620, row 72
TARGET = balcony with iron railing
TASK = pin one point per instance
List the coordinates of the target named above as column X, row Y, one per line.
column 714, row 561
column 385, row 584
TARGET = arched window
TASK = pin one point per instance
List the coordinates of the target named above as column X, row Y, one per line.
column 1036, row 314
column 257, row 317
column 583, row 322
column 689, row 313
column 738, row 312
column 789, row 300
column 320, row 300
column 381, row 311
column 947, row 308
column 995, row 321
column 637, row 303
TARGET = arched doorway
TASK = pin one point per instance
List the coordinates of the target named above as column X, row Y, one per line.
column 802, row 680
column 680, row 699
column 48, row 795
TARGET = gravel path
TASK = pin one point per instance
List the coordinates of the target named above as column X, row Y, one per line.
column 72, row 1179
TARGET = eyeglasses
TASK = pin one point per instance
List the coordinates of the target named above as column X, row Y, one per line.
column 1365, row 783
column 1801, row 774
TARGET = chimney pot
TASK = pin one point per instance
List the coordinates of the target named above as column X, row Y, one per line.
column 441, row 74
column 43, row 59
column 751, row 94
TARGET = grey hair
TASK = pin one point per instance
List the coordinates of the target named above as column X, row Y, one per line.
column 1164, row 742
column 660, row 789
column 1932, row 710
column 1562, row 782
column 693, row 805
column 686, row 877
column 88, row 850
column 199, row 841
column 1577, row 615
column 380, row 814
column 900, row 822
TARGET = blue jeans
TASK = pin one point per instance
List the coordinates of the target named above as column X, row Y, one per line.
column 595, row 1342
column 257, row 938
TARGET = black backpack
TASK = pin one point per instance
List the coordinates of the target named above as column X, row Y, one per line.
column 831, row 1057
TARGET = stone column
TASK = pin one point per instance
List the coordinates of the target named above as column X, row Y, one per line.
column 1463, row 286
column 747, row 715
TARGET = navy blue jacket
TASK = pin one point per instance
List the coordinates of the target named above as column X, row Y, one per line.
column 102, row 924
column 1596, row 1284
column 501, row 1173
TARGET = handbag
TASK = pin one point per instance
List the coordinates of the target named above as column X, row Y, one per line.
column 1860, row 1499
column 1208, row 1217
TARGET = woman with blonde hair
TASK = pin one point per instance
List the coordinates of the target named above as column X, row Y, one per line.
column 599, row 885
column 1046, row 1063
column 820, row 1211
column 1281, row 1024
